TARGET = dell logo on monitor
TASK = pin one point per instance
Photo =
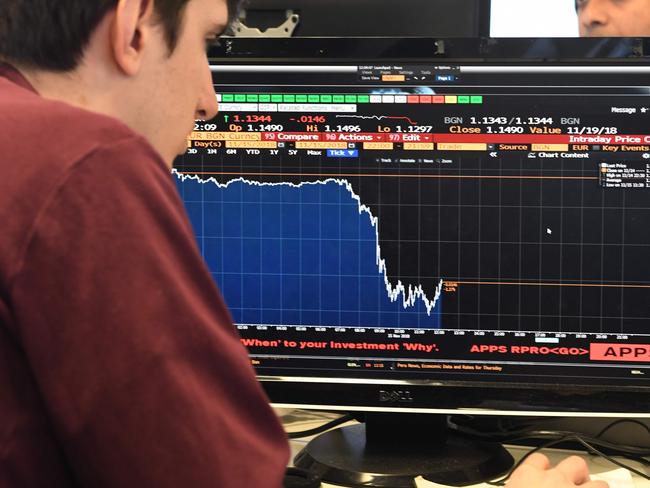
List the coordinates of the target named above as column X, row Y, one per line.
column 395, row 396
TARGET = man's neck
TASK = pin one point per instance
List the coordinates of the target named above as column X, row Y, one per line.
column 69, row 87
column 91, row 88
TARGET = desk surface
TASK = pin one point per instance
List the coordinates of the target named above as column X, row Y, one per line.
column 597, row 466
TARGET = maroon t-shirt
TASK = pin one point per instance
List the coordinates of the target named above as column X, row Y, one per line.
column 119, row 363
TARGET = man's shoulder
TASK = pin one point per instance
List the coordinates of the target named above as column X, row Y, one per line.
column 46, row 144
column 53, row 131
column 42, row 140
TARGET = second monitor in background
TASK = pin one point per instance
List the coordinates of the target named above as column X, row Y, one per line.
column 439, row 18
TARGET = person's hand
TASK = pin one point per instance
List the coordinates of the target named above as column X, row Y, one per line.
column 536, row 472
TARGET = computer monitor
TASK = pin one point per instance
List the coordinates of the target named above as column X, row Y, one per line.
column 419, row 228
column 444, row 18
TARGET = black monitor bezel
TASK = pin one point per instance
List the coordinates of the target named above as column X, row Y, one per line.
column 239, row 50
column 489, row 397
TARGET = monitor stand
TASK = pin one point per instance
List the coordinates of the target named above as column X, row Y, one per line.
column 392, row 449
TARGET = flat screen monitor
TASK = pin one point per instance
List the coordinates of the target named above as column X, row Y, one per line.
column 426, row 226
column 445, row 18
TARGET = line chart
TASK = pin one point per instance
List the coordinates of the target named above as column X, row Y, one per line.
column 252, row 240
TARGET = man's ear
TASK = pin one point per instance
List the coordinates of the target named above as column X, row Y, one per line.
column 130, row 33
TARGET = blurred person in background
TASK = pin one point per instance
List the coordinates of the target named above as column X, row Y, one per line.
column 613, row 18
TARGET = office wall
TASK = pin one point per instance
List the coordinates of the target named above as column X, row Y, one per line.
column 533, row 18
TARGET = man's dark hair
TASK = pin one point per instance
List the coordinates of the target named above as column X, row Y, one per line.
column 52, row 34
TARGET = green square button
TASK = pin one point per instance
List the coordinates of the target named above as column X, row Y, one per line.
column 326, row 98
column 276, row 98
column 289, row 99
column 265, row 98
column 252, row 98
column 463, row 99
column 240, row 98
column 477, row 99
column 350, row 99
column 301, row 98
column 363, row 98
column 228, row 97
column 338, row 99
column 314, row 98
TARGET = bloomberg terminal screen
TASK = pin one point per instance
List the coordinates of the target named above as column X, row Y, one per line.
column 435, row 221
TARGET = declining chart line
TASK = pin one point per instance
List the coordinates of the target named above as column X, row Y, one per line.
column 410, row 295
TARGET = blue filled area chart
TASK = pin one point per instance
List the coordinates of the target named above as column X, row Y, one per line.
column 301, row 254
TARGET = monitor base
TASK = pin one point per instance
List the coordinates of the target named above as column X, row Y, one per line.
column 344, row 456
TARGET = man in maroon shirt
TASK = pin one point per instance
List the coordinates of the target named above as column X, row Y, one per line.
column 119, row 364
